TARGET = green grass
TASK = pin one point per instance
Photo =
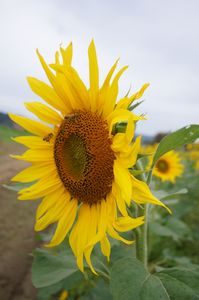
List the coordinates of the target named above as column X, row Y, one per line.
column 6, row 133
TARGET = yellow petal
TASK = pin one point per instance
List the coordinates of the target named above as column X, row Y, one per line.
column 94, row 75
column 44, row 113
column 52, row 215
column 59, row 84
column 73, row 238
column 76, row 85
column 127, row 223
column 67, row 54
column 36, row 155
column 34, row 142
column 79, row 87
column 140, row 92
column 51, row 200
column 102, row 223
column 111, row 94
column 49, row 74
column 129, row 159
column 64, row 224
column 32, row 126
column 79, row 234
column 129, row 133
column 69, row 88
column 103, row 92
column 48, row 94
column 40, row 189
column 91, row 234
column 116, row 236
column 121, row 141
column 126, row 101
column 142, row 194
column 111, row 207
column 105, row 247
column 123, row 103
column 121, row 115
column 109, row 75
column 83, row 232
column 116, row 193
column 123, row 180
column 35, row 172
column 57, row 57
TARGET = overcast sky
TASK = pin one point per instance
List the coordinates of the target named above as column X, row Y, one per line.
column 159, row 40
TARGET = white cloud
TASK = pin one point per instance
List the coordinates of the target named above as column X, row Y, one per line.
column 157, row 39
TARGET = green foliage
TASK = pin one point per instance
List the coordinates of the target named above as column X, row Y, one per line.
column 175, row 140
column 49, row 268
column 173, row 246
column 6, row 133
column 130, row 281
column 55, row 269
column 98, row 292
column 132, row 107
column 174, row 239
column 181, row 283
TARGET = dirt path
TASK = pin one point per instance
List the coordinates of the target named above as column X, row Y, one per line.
column 16, row 232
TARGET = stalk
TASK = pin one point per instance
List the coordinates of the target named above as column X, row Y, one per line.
column 142, row 232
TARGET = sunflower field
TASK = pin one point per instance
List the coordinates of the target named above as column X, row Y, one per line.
column 117, row 218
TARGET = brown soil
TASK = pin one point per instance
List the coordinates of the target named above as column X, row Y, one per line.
column 16, row 232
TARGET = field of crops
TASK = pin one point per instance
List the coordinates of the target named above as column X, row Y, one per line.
column 173, row 241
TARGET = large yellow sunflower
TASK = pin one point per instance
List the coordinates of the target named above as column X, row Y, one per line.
column 169, row 167
column 80, row 167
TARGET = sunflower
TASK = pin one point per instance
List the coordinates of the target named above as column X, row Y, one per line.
column 63, row 295
column 80, row 164
column 169, row 167
column 197, row 165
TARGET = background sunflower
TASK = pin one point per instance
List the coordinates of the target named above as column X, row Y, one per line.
column 169, row 167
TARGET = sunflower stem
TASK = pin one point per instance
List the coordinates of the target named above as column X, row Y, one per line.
column 144, row 238
column 142, row 232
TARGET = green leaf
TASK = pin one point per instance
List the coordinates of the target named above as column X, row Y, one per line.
column 50, row 267
column 176, row 139
column 153, row 289
column 130, row 281
column 179, row 228
column 119, row 127
column 161, row 230
column 122, row 250
column 177, row 290
column 46, row 293
column 162, row 195
column 181, row 283
column 132, row 107
column 174, row 228
column 98, row 292
column 137, row 172
column 74, row 281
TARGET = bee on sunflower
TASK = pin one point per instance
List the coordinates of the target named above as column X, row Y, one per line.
column 80, row 165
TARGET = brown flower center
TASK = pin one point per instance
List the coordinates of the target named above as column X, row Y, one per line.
column 84, row 157
column 162, row 166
